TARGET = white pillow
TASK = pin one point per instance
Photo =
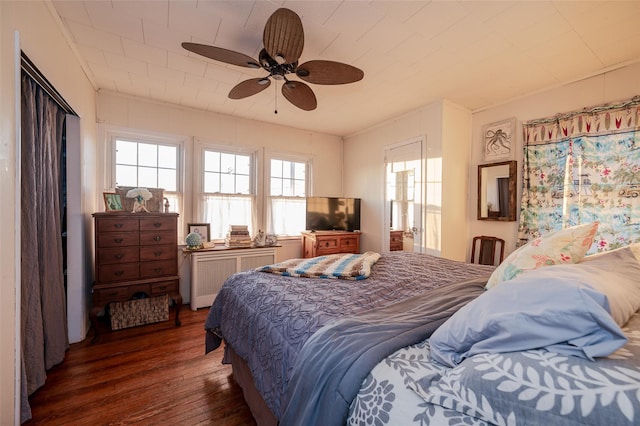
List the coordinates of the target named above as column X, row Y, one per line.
column 560, row 247
column 622, row 290
column 635, row 248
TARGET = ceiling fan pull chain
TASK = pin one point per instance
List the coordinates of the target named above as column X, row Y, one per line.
column 276, row 88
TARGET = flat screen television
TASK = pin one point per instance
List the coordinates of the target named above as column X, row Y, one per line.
column 333, row 214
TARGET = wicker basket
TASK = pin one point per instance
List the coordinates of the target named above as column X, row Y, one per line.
column 131, row 313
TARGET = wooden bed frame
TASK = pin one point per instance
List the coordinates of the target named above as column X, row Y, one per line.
column 242, row 375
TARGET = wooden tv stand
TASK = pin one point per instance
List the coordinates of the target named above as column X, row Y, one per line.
column 320, row 243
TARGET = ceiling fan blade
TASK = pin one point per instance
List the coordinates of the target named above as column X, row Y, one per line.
column 300, row 95
column 249, row 87
column 329, row 72
column 223, row 55
column 283, row 36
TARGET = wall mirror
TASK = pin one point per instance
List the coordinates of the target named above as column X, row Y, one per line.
column 497, row 191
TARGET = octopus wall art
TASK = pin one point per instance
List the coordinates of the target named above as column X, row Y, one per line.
column 498, row 140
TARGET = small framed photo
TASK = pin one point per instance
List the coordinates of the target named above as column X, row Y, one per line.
column 272, row 240
column 112, row 202
column 203, row 229
column 498, row 140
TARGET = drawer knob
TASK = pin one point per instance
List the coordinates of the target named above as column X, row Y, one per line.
column 119, row 256
column 118, row 240
column 118, row 225
column 157, row 238
column 157, row 270
column 118, row 273
column 158, row 253
column 157, row 224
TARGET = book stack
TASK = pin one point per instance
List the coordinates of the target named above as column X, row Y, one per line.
column 238, row 236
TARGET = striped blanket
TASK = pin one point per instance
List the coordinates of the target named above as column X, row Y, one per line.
column 336, row 266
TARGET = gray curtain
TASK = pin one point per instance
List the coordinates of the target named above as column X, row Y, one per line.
column 44, row 317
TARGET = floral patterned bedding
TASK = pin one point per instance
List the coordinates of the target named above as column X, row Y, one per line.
column 534, row 387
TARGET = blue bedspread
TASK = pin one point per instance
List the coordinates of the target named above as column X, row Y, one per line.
column 336, row 359
column 267, row 318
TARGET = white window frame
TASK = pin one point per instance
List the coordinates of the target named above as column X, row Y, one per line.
column 307, row 160
column 199, row 194
column 111, row 134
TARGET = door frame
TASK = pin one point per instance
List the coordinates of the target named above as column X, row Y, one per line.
column 419, row 243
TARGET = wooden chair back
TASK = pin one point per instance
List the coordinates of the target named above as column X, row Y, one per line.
column 488, row 248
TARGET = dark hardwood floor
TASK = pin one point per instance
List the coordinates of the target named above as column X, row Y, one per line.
column 155, row 374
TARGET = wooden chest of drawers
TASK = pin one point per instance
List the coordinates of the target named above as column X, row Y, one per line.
column 135, row 254
column 320, row 243
column 395, row 240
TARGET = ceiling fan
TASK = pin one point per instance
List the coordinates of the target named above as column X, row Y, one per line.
column 283, row 40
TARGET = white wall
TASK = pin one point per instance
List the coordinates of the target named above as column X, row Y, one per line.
column 613, row 86
column 446, row 127
column 134, row 113
column 364, row 174
column 126, row 112
column 42, row 40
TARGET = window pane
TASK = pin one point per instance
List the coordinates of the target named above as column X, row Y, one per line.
column 299, row 188
column 287, row 187
column 227, row 163
column 287, row 171
column 227, row 184
column 223, row 210
column 167, row 179
column 167, row 156
column 137, row 165
column 276, row 186
column 287, row 216
column 211, row 161
column 212, row 182
column 126, row 175
column 276, row 168
column 242, row 185
column 148, row 176
column 243, row 164
column 148, row 155
column 126, row 152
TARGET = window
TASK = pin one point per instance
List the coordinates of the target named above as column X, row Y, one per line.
column 228, row 196
column 148, row 164
column 286, row 203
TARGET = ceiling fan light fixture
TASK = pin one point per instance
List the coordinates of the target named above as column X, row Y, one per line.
column 280, row 59
column 263, row 81
column 253, row 65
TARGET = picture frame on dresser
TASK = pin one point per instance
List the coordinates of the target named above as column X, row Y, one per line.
column 112, row 202
column 202, row 229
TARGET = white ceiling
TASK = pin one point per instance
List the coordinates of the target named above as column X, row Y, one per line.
column 474, row 53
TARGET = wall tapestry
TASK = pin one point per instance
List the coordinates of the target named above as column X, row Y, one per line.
column 581, row 167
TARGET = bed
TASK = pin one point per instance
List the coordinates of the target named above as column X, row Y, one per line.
column 293, row 343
